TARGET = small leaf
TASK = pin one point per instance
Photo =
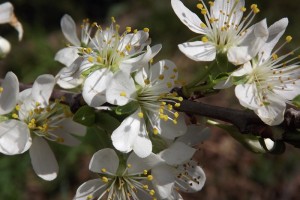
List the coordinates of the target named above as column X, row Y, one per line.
column 104, row 138
column 107, row 121
column 127, row 109
column 296, row 101
column 85, row 116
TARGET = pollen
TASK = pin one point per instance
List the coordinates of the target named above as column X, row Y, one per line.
column 104, row 179
column 155, row 131
column 145, row 172
column 200, row 6
column 176, row 114
column 145, row 187
column 211, row 3
column 17, row 107
column 204, row 39
column 1, row 89
column 141, row 115
column 113, row 20
column 99, row 59
column 123, row 94
column 89, row 197
column 151, row 192
column 146, row 30
column 202, row 25
column 243, row 9
column 203, row 11
column 161, row 77
column 150, row 177
column 177, row 105
column 129, row 165
column 288, row 38
column 15, row 116
column 128, row 29
column 103, row 170
column 90, row 59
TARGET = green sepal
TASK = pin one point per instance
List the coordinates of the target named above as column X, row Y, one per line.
column 237, row 80
column 90, row 70
column 3, row 118
column 127, row 109
column 296, row 101
column 106, row 121
column 85, row 116
column 158, row 144
column 104, row 137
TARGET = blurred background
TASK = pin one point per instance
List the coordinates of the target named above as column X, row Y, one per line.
column 232, row 171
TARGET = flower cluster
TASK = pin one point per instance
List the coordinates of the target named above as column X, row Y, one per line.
column 132, row 98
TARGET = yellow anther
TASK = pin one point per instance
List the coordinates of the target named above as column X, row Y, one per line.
column 60, row 140
column 151, row 192
column 1, row 89
column 174, row 121
column 166, row 118
column 161, row 110
column 18, row 107
column 211, row 3
column 155, row 131
column 123, row 94
column 103, row 170
column 104, row 179
column 113, row 20
column 141, row 115
column 173, row 76
column 147, row 81
column 200, row 6
column 177, row 105
column 150, row 177
column 129, row 165
column 204, row 39
column 169, row 84
column 170, row 107
column 145, row 172
column 89, row 197
column 37, row 104
column 90, row 59
column 15, row 116
column 135, row 31
column 89, row 50
column 288, row 38
column 151, row 61
column 117, row 27
column 175, row 70
column 146, row 30
column 176, row 114
column 253, row 6
column 202, row 25
column 161, row 116
column 166, row 67
column 274, row 56
column 243, row 9
column 128, row 47
column 163, row 103
column 145, row 187
column 180, row 99
column 256, row 10
column 128, row 29
column 99, row 59
column 203, row 11
column 161, row 76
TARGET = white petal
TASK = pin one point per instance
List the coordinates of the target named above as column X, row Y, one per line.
column 195, row 134
column 14, row 137
column 272, row 114
column 73, row 127
column 250, row 45
column 290, row 91
column 244, row 70
column 170, row 130
column 163, row 180
column 43, row 160
column 104, row 159
column 68, row 27
column 66, row 56
column 4, row 47
column 142, row 145
column 94, row 87
column 92, row 188
column 190, row 19
column 193, row 171
column 247, row 94
column 124, row 137
column 138, row 164
column 177, row 153
column 8, row 98
column 121, row 89
column 43, row 88
column 67, row 138
column 198, row 51
column 276, row 30
column 227, row 7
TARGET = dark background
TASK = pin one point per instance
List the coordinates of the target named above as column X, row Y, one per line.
column 232, row 171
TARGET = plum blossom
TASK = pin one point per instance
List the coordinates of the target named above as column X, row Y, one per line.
column 7, row 15
column 224, row 31
column 149, row 92
column 29, row 120
column 119, row 180
column 268, row 81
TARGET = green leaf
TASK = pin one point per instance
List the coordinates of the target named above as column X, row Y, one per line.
column 237, row 80
column 104, row 138
column 127, row 109
column 85, row 116
column 296, row 101
column 107, row 121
